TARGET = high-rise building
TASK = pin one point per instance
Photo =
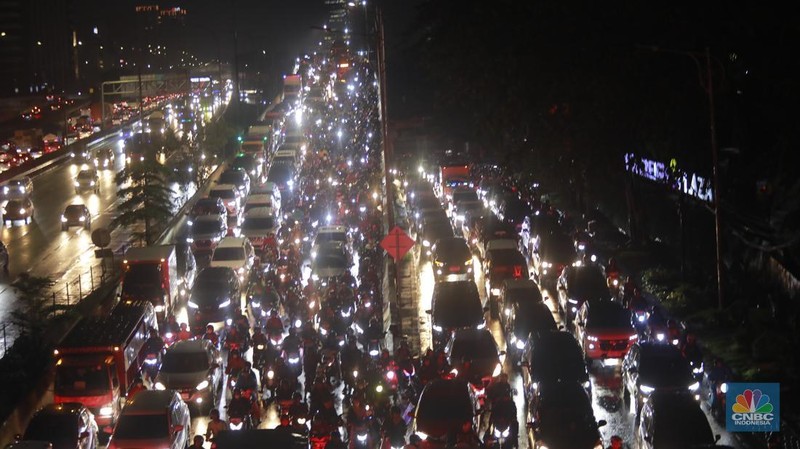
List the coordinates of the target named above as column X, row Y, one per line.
column 34, row 46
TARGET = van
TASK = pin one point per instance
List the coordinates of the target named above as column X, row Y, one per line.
column 152, row 419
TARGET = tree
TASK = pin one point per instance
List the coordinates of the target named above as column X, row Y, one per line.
column 37, row 306
column 145, row 196
column 217, row 135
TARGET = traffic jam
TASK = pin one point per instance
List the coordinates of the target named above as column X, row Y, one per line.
column 269, row 311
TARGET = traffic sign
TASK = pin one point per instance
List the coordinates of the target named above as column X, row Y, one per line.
column 397, row 243
column 101, row 237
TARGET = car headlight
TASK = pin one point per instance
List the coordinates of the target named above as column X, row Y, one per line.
column 438, row 263
column 591, row 338
column 81, row 218
column 587, row 384
column 520, row 344
column 270, row 374
column 192, row 304
column 63, row 219
column 426, row 243
column 225, row 304
column 22, row 211
column 660, row 336
column 547, row 265
column 572, row 301
column 422, row 435
column 694, row 387
column 77, row 184
column 202, row 385
column 495, row 292
column 497, row 370
column 160, row 386
column 106, row 410
column 255, row 304
column 646, row 389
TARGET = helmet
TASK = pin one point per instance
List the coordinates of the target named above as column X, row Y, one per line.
column 209, row 328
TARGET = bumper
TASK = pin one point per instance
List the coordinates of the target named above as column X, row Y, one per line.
column 600, row 350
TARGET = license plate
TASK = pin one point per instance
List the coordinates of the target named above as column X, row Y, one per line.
column 455, row 269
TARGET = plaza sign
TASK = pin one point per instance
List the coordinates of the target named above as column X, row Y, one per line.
column 688, row 183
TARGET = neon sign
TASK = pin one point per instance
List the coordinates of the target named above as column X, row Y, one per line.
column 689, row 183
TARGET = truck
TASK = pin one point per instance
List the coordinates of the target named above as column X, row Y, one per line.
column 28, row 139
column 151, row 273
column 154, row 123
column 98, row 359
column 450, row 177
column 292, row 85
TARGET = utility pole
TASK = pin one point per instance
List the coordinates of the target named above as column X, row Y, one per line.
column 384, row 118
column 715, row 161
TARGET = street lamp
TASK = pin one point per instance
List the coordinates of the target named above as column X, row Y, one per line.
column 705, row 66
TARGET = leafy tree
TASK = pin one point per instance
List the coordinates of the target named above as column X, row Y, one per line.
column 217, row 136
column 146, row 197
column 37, row 306
column 171, row 141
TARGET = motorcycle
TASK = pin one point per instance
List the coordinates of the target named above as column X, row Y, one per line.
column 614, row 283
column 294, row 360
column 503, row 429
column 152, row 364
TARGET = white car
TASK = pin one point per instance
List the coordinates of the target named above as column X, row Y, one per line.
column 236, row 253
column 330, row 234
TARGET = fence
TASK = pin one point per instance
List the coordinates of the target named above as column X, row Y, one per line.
column 65, row 295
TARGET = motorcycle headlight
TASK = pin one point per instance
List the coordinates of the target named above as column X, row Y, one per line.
column 202, row 385
column 694, row 387
column 106, row 410
column 723, row 388
column 77, row 184
column 426, row 243
column 362, row 437
column 437, row 328
column 255, row 304
column 225, row 304
column 497, row 370
column 192, row 304
column 660, row 336
column 235, row 426
column 270, row 374
column 160, row 386
column 646, row 389
column 379, row 388
column 520, row 344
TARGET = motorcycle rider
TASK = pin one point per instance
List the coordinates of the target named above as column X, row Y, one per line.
column 259, row 339
column 215, row 425
column 335, row 441
column 274, row 323
column 286, row 424
column 690, row 349
column 403, row 352
column 239, row 406
column 197, row 442
column 718, row 374
column 211, row 336
column 498, row 389
column 153, row 345
column 467, row 437
column 394, row 429
column 292, row 342
column 414, row 442
column 352, row 358
column 298, row 407
column 247, row 379
column 183, row 332
column 171, row 328
column 233, row 336
column 138, row 385
column 235, row 363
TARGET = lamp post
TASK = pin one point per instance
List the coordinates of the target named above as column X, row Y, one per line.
column 704, row 69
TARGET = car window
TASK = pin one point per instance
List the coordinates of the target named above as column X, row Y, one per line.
column 142, row 427
column 57, row 428
column 229, row 254
column 190, row 362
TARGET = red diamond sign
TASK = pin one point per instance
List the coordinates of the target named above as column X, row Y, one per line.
column 397, row 243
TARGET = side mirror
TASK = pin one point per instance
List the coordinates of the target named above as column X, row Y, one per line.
column 602, row 423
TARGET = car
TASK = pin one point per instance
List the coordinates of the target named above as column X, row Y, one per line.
column 577, row 284
column 526, row 318
column 76, row 215
column 562, row 418
column 206, row 232
column 492, row 228
column 283, row 177
column 152, row 419
column 18, row 188
column 499, row 265
column 479, row 348
column 535, row 226
column 250, row 165
column 651, row 367
column 514, row 291
column 87, row 179
column 463, row 194
column 259, row 200
column 269, row 189
column 553, row 356
column 443, row 407
column 234, row 252
column 18, row 210
column 666, row 412
column 331, row 260
column 462, row 208
column 230, row 195
column 104, row 159
column 333, row 233
column 192, row 368
column 214, row 297
column 260, row 226
column 4, row 257
column 207, row 206
column 432, row 233
column 604, row 329
column 451, row 259
column 237, row 177
column 555, row 252
column 454, row 305
column 68, row 425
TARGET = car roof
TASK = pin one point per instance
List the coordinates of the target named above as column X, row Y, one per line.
column 258, row 197
column 189, row 346
column 75, row 206
column 216, row 272
column 454, row 287
column 260, row 212
column 647, row 348
column 231, row 242
column 149, row 402
column 224, row 187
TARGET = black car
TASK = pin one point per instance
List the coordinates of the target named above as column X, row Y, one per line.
column 578, row 284
column 667, row 412
column 249, row 164
column 655, row 367
column 187, row 267
column 451, row 259
column 529, row 319
column 478, row 347
column 237, row 177
column 513, row 291
column 207, row 206
column 444, row 406
column 555, row 252
column 68, row 425
column 283, row 177
column 562, row 418
column 498, row 266
column 206, row 231
column 76, row 215
column 214, row 297
column 193, row 368
column 513, row 210
column 553, row 356
column 433, row 232
column 454, row 305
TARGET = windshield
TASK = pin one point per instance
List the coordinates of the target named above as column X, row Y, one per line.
column 474, row 347
column 588, row 283
column 82, row 380
column 663, row 367
column 457, row 311
column 558, row 362
column 183, row 362
column 142, row 277
column 532, row 318
column 322, row 261
column 608, row 317
column 469, row 195
column 279, row 174
column 558, row 249
column 86, row 175
column 231, row 178
column 257, row 224
column 225, row 194
column 53, row 427
column 224, row 254
column 205, row 207
column 331, row 237
column 206, row 227
column 142, row 427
